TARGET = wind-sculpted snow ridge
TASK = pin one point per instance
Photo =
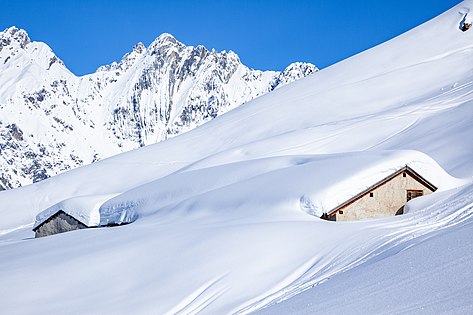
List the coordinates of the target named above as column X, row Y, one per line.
column 225, row 215
column 52, row 121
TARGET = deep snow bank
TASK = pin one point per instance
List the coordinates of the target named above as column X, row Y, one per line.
column 424, row 275
column 312, row 183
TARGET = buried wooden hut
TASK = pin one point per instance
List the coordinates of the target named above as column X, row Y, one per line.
column 385, row 198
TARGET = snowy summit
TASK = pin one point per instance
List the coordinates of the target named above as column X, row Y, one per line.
column 52, row 120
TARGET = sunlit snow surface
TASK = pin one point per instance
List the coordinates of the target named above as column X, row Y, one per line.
column 220, row 225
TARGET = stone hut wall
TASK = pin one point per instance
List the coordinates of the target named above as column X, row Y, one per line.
column 383, row 201
column 59, row 223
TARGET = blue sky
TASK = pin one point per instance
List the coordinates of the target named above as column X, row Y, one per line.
column 267, row 35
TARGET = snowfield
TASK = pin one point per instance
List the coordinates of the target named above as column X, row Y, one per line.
column 225, row 217
column 424, row 275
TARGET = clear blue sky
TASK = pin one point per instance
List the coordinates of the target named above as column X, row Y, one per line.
column 266, row 34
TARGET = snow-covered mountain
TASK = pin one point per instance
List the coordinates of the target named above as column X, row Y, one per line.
column 222, row 218
column 52, row 120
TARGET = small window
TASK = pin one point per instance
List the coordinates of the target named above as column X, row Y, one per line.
column 404, row 174
column 371, row 194
column 340, row 212
column 411, row 194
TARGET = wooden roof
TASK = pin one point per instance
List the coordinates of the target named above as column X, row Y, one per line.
column 405, row 169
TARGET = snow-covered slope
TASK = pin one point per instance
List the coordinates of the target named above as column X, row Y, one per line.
column 424, row 275
column 51, row 120
column 339, row 178
column 222, row 225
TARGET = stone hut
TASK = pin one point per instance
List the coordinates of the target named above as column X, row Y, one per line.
column 385, row 198
column 71, row 214
column 60, row 222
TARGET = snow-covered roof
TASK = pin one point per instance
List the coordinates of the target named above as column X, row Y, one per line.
column 318, row 183
column 83, row 208
column 342, row 178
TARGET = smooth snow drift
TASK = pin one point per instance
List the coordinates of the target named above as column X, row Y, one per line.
column 223, row 213
column 318, row 183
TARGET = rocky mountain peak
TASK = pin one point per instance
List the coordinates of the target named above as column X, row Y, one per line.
column 166, row 37
column 150, row 95
column 164, row 43
column 127, row 60
column 139, row 48
column 14, row 36
column 298, row 70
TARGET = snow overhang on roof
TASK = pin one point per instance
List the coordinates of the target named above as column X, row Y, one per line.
column 340, row 178
column 317, row 183
column 83, row 208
